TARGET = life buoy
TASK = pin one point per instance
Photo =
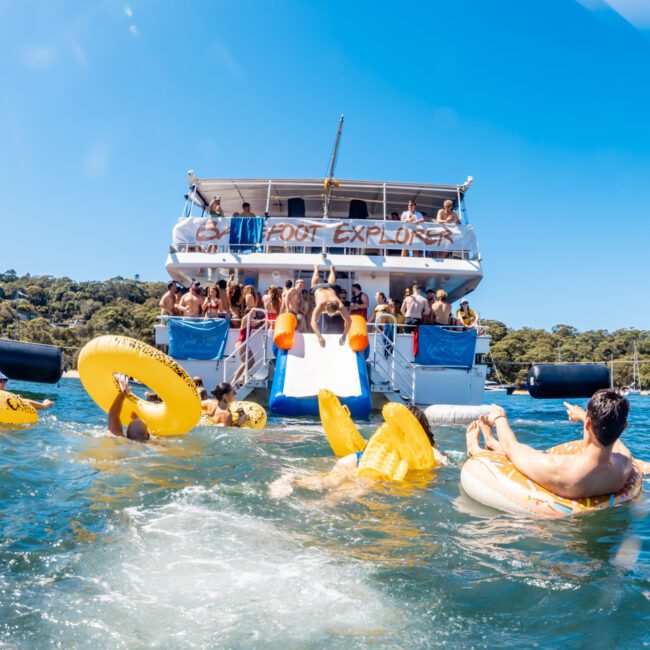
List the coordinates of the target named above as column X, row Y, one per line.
column 104, row 356
column 341, row 432
column 491, row 479
column 358, row 333
column 15, row 410
column 284, row 330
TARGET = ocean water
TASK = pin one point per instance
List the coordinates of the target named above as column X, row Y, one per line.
column 107, row 543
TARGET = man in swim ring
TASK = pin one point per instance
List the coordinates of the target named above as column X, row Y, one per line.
column 39, row 406
column 601, row 467
column 345, row 468
column 219, row 407
column 136, row 429
column 328, row 304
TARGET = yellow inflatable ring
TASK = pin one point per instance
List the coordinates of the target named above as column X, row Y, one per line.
column 15, row 410
column 256, row 416
column 104, row 356
column 491, row 479
column 341, row 432
column 381, row 459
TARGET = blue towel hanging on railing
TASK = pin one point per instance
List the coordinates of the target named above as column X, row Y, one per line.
column 441, row 347
column 246, row 233
column 198, row 339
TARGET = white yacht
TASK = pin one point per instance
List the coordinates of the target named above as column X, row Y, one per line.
column 348, row 224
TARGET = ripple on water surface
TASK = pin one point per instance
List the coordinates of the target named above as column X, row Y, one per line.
column 179, row 545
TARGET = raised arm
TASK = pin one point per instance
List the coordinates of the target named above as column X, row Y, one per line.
column 114, row 424
column 347, row 320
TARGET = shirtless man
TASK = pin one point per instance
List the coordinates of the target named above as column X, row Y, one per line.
column 441, row 309
column 293, row 302
column 415, row 307
column 602, row 466
column 190, row 304
column 136, row 429
column 327, row 304
column 168, row 303
column 219, row 407
column 447, row 215
column 245, row 211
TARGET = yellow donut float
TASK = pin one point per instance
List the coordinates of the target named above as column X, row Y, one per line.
column 254, row 416
column 104, row 356
column 491, row 479
column 15, row 410
column 341, row 432
column 398, row 445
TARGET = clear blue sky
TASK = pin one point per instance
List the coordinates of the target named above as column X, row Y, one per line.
column 104, row 106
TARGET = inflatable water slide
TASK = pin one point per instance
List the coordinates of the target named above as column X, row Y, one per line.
column 306, row 367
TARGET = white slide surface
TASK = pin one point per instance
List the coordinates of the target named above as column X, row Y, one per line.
column 311, row 367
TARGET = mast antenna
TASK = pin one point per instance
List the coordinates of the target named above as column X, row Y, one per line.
column 329, row 181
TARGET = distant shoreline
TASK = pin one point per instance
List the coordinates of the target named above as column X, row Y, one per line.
column 71, row 374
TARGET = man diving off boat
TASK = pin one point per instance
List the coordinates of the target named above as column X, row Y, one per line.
column 328, row 304
column 602, row 466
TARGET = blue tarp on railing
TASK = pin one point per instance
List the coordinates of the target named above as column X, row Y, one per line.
column 199, row 339
column 441, row 347
column 246, row 233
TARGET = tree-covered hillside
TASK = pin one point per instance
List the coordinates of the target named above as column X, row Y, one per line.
column 59, row 311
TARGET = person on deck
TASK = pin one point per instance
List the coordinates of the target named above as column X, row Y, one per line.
column 411, row 215
column 211, row 305
column 447, row 215
column 601, row 467
column 465, row 316
column 39, row 406
column 190, row 304
column 169, row 302
column 327, row 304
column 214, row 208
column 245, row 211
column 293, row 299
column 136, row 429
column 414, row 308
column 272, row 302
column 359, row 302
column 441, row 309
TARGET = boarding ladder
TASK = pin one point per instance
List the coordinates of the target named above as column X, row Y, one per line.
column 395, row 371
column 252, row 356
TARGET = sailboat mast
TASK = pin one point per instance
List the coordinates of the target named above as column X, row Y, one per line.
column 330, row 177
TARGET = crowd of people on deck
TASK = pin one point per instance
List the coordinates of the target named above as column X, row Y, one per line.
column 235, row 301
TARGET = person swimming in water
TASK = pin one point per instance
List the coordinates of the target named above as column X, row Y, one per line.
column 601, row 467
column 345, row 468
column 219, row 408
column 136, row 429
column 327, row 305
column 39, row 406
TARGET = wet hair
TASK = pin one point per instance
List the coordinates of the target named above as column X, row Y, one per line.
column 332, row 306
column 607, row 410
column 137, row 430
column 424, row 422
column 222, row 284
column 222, row 389
column 441, row 295
column 288, row 284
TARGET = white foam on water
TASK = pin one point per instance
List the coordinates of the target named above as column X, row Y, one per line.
column 194, row 572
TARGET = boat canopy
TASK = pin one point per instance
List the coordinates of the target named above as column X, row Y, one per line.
column 305, row 197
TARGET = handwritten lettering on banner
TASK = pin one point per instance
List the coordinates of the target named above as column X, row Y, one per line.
column 349, row 233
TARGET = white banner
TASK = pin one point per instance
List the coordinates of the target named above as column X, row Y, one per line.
column 330, row 233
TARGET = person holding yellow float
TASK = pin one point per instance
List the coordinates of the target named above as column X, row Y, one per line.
column 598, row 465
column 219, row 408
column 39, row 406
column 377, row 463
column 136, row 429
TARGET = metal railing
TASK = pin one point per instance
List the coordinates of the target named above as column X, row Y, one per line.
column 389, row 362
column 246, row 357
